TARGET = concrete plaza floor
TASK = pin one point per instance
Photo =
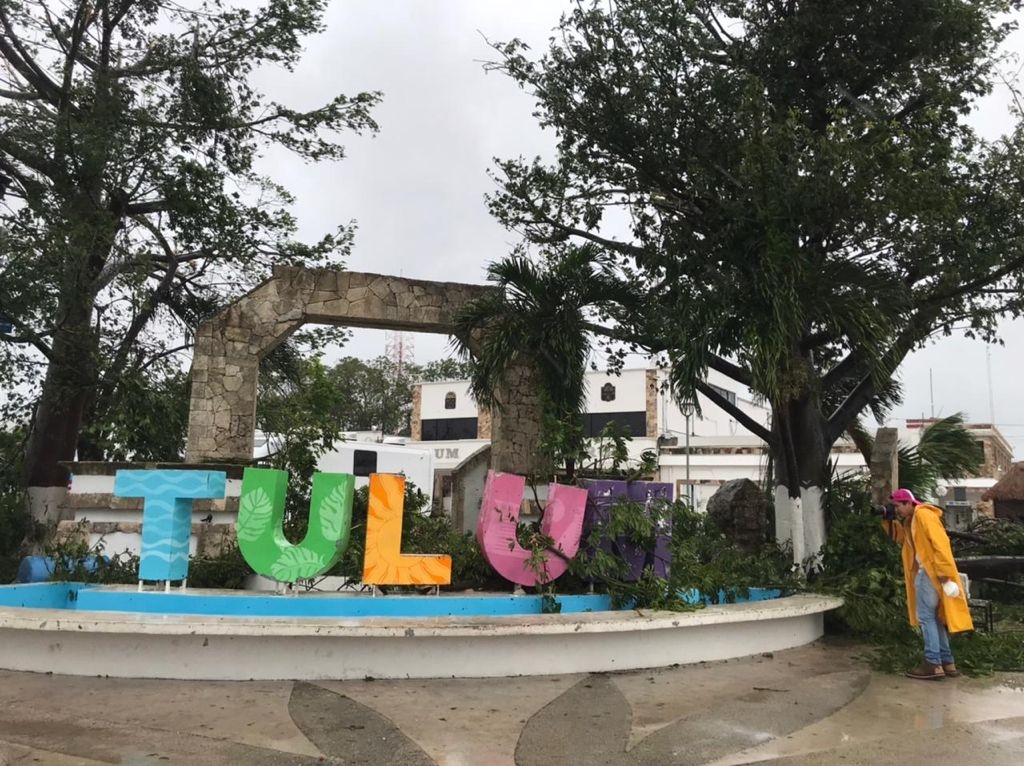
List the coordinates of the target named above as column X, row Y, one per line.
column 819, row 704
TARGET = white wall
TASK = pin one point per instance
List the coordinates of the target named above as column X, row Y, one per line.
column 630, row 391
column 432, row 400
column 448, row 454
column 630, row 396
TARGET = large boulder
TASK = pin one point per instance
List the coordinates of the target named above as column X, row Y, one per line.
column 740, row 509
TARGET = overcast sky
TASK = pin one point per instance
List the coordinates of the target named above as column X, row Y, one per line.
column 417, row 188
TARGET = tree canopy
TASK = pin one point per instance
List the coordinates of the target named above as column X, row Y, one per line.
column 790, row 191
column 134, row 202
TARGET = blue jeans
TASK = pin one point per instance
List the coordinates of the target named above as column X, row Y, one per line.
column 936, row 639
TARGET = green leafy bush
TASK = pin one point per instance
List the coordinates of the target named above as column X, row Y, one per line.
column 703, row 559
column 75, row 560
column 227, row 570
column 15, row 528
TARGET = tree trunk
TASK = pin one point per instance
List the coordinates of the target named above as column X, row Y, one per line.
column 58, row 417
column 85, row 238
column 801, row 460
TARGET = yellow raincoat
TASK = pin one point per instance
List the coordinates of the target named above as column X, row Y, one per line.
column 927, row 540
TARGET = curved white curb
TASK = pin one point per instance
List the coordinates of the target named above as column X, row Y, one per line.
column 240, row 648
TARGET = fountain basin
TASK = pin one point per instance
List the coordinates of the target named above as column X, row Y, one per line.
column 81, row 597
column 43, row 628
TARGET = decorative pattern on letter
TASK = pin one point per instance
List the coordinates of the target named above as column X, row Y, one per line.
column 384, row 563
column 167, row 515
column 499, row 515
column 261, row 517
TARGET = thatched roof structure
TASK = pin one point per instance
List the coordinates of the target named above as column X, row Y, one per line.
column 1010, row 487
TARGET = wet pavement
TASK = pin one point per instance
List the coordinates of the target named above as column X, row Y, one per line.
column 819, row 704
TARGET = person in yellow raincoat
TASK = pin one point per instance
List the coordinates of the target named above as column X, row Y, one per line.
column 935, row 600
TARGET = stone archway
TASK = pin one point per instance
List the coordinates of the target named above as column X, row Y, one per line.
column 225, row 365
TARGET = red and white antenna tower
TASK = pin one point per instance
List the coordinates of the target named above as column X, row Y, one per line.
column 399, row 348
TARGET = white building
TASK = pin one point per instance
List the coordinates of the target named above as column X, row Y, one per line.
column 696, row 454
column 446, row 419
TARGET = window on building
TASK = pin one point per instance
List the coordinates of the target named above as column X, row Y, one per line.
column 449, row 400
column 364, row 462
column 448, row 429
column 607, row 393
column 724, row 393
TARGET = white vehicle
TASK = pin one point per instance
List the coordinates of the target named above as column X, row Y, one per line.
column 363, row 458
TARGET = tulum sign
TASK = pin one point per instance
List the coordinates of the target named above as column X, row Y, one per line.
column 167, row 517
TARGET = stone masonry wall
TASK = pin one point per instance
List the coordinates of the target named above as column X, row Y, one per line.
column 515, row 424
column 651, row 390
column 225, row 368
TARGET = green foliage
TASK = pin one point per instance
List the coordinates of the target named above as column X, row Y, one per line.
column 703, row 559
column 374, row 395
column 561, row 443
column 804, row 202
column 442, row 369
column 946, row 450
column 538, row 319
column 999, row 537
column 149, row 422
column 16, row 526
column 75, row 560
column 863, row 566
column 226, row 570
column 297, row 412
column 421, row 533
column 136, row 208
column 610, row 449
column 848, row 492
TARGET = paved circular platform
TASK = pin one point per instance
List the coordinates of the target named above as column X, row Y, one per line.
column 818, row 704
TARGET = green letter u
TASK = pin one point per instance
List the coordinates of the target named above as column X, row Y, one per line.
column 261, row 518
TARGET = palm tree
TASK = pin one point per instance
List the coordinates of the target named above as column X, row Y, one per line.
column 946, row 450
column 539, row 314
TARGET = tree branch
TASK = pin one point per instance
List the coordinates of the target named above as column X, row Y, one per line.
column 17, row 152
column 16, row 95
column 864, row 391
column 741, row 417
column 972, row 286
column 730, row 370
column 569, row 231
column 148, row 208
column 18, row 57
column 27, row 337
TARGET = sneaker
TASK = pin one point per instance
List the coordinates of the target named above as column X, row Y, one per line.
column 926, row 672
column 949, row 668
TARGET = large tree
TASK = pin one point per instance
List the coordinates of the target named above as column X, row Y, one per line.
column 134, row 205
column 376, row 394
column 791, row 193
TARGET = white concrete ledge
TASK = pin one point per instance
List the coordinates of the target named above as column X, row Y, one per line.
column 240, row 648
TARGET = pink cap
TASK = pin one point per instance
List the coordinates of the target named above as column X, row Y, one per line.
column 903, row 496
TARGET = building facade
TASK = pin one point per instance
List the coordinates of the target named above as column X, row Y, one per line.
column 696, row 451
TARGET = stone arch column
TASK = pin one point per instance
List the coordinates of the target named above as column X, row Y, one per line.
column 229, row 347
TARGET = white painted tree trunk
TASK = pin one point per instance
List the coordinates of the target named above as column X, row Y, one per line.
column 44, row 503
column 801, row 521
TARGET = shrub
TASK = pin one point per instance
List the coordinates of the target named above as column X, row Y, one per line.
column 703, row 559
